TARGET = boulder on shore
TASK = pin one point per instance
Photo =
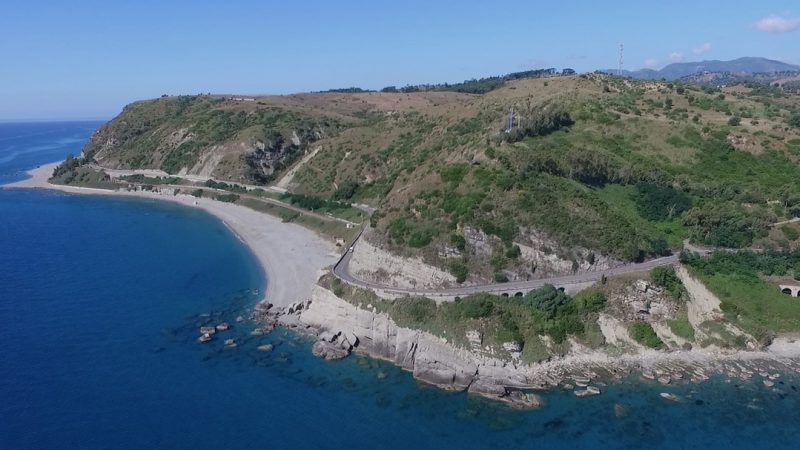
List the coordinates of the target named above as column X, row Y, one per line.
column 328, row 350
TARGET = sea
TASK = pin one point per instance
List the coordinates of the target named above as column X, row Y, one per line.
column 100, row 303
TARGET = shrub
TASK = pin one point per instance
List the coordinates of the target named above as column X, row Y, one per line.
column 460, row 271
column 228, row 198
column 513, row 252
column 420, row 238
column 666, row 278
column 589, row 301
column 660, row 202
column 790, row 232
column 346, row 190
column 459, row 241
column 682, row 328
column 734, row 121
column 474, row 307
column 643, row 333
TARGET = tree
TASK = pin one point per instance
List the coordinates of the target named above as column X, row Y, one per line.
column 734, row 121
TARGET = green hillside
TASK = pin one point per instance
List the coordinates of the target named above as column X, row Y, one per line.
column 600, row 166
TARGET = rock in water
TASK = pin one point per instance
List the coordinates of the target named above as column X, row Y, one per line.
column 588, row 392
column 329, row 351
column 668, row 396
column 620, row 411
column 264, row 348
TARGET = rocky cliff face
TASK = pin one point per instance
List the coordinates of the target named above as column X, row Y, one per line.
column 371, row 263
column 343, row 326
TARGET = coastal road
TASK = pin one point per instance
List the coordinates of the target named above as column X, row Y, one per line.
column 119, row 173
column 342, row 271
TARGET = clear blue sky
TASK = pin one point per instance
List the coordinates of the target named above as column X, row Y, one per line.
column 87, row 59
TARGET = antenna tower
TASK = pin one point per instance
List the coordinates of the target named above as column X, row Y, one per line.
column 621, row 53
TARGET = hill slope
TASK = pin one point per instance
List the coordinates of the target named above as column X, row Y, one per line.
column 595, row 170
column 676, row 71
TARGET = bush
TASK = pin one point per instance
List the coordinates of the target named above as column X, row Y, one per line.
column 513, row 252
column 460, row 271
column 734, row 121
column 346, row 190
column 790, row 232
column 459, row 241
column 723, row 225
column 682, row 328
column 474, row 307
column 419, row 310
column 228, row 198
column 666, row 278
column 660, row 202
column 540, row 121
column 643, row 333
column 589, row 301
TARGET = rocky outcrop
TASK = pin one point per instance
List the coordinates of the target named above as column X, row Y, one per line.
column 541, row 257
column 395, row 270
column 342, row 327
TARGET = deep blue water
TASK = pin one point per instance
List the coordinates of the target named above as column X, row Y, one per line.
column 100, row 300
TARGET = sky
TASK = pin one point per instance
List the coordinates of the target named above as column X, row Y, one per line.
column 67, row 60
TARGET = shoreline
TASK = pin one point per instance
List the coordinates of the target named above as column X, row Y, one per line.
column 291, row 257
column 341, row 328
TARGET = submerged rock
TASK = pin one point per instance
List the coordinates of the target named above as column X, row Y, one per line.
column 329, row 350
column 668, row 396
column 204, row 338
column 588, row 392
column 224, row 326
column 264, row 348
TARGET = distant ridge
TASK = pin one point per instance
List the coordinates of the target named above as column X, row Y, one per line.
column 676, row 71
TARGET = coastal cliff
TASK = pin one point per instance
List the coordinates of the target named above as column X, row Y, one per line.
column 341, row 327
column 429, row 358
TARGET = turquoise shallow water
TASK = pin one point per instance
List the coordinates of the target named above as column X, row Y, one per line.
column 101, row 298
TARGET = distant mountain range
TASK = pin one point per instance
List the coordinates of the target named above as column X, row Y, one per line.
column 676, row 71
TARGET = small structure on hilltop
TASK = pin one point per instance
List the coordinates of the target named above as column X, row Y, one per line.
column 790, row 289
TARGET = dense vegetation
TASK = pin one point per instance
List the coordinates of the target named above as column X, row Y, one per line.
column 543, row 312
column 479, row 86
column 595, row 165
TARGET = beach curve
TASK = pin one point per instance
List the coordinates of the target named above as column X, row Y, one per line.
column 291, row 257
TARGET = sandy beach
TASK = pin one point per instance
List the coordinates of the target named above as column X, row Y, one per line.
column 292, row 257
